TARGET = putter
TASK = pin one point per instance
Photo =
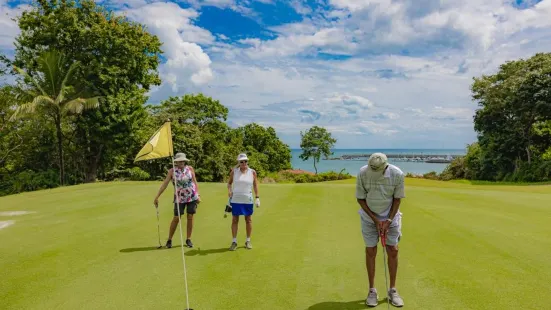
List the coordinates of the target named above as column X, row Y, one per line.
column 383, row 242
column 158, row 231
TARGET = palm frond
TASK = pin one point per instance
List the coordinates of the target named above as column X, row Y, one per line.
column 33, row 80
column 64, row 89
column 23, row 109
column 31, row 107
column 76, row 106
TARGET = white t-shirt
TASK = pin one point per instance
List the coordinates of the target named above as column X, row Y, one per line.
column 379, row 190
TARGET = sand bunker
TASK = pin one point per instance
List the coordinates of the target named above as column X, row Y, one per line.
column 4, row 224
column 15, row 213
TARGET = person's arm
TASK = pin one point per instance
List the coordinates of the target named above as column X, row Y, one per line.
column 255, row 186
column 230, row 181
column 163, row 187
column 399, row 193
column 194, row 179
column 361, row 195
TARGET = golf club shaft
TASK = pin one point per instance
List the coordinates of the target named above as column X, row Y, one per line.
column 158, row 229
column 383, row 241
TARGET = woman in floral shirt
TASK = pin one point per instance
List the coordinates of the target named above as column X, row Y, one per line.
column 186, row 196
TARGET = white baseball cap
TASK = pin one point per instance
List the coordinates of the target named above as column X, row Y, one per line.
column 377, row 162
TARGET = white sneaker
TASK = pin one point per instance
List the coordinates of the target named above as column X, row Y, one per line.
column 372, row 298
column 394, row 298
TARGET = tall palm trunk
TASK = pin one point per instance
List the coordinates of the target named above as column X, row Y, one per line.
column 60, row 148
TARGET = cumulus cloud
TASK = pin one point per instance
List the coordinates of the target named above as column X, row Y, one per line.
column 9, row 29
column 186, row 60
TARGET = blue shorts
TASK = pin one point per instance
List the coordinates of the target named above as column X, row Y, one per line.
column 238, row 209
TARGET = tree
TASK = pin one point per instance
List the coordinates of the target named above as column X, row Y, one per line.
column 54, row 92
column 266, row 141
column 121, row 60
column 315, row 142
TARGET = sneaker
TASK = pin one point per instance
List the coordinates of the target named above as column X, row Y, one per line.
column 188, row 243
column 248, row 245
column 394, row 298
column 169, row 244
column 372, row 298
column 233, row 246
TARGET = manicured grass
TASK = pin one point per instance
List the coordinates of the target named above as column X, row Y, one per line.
column 93, row 246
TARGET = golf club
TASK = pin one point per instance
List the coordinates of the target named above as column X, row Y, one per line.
column 383, row 242
column 158, row 231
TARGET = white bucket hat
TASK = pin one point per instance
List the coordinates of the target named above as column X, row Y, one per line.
column 241, row 157
column 377, row 162
column 180, row 157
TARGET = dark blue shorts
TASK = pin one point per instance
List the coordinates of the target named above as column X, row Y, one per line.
column 242, row 209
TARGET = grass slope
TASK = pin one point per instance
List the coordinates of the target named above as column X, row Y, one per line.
column 93, row 247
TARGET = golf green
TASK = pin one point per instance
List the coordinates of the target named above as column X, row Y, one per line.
column 95, row 247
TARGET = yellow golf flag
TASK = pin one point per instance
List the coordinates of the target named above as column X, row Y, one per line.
column 158, row 146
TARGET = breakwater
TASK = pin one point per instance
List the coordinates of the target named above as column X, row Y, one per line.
column 427, row 158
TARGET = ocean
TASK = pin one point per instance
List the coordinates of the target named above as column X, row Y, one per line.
column 352, row 166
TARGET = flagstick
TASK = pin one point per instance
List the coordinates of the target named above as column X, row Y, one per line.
column 181, row 235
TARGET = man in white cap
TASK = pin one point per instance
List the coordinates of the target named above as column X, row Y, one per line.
column 379, row 190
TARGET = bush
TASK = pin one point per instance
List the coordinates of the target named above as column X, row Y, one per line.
column 300, row 176
column 455, row 170
column 34, row 180
column 431, row 176
column 131, row 174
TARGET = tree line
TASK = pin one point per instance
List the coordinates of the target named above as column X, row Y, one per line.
column 513, row 125
column 77, row 111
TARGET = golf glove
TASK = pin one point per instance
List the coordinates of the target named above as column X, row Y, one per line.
column 257, row 202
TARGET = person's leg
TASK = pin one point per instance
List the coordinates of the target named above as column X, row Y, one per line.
column 370, row 255
column 191, row 210
column 371, row 238
column 174, row 223
column 249, row 221
column 393, row 238
column 189, row 225
column 234, row 225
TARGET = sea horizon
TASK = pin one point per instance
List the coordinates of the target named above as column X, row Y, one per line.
column 352, row 166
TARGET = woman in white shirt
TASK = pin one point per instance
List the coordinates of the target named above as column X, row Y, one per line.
column 242, row 180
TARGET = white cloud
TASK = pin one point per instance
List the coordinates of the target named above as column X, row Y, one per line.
column 407, row 79
column 187, row 62
column 9, row 29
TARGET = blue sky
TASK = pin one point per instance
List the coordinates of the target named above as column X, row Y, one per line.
column 376, row 73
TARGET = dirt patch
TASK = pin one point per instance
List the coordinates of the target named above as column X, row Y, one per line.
column 15, row 213
column 4, row 224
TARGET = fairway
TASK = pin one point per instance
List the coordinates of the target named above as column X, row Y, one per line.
column 94, row 247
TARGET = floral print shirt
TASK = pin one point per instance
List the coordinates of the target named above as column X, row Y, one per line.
column 186, row 191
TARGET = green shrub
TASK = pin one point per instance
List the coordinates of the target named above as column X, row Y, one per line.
column 34, row 180
column 431, row 176
column 132, row 174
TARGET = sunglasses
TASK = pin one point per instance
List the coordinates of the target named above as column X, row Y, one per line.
column 243, row 162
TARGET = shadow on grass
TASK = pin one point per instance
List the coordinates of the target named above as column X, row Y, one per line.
column 335, row 305
column 177, row 246
column 206, row 252
column 150, row 248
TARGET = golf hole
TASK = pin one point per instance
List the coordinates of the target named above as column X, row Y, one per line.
column 4, row 224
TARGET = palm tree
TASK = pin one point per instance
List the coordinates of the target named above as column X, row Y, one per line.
column 53, row 92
